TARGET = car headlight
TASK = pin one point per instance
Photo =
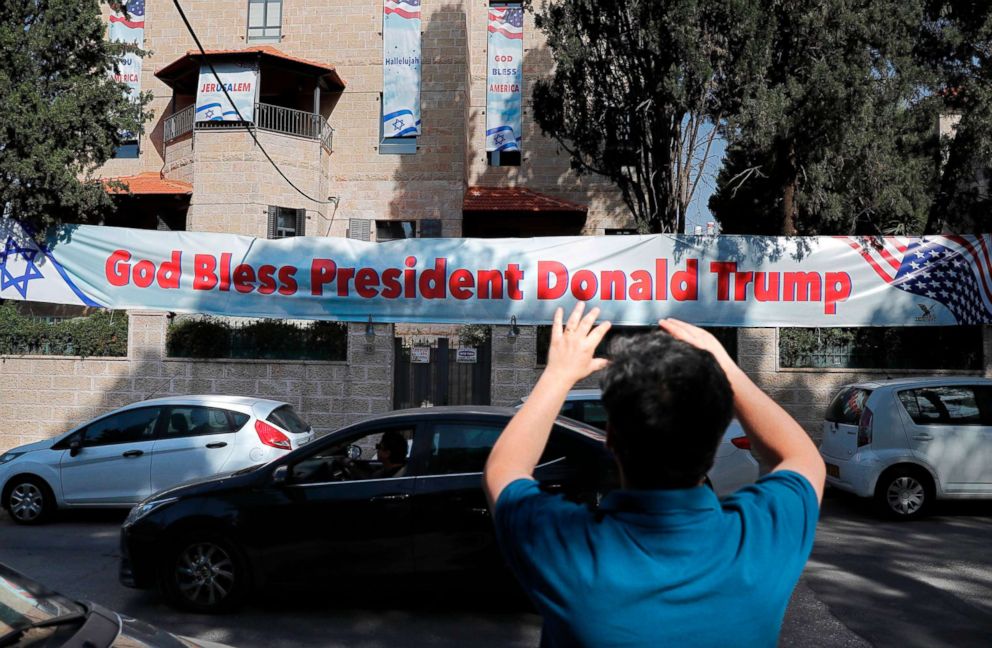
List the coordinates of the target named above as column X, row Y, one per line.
column 9, row 456
column 143, row 509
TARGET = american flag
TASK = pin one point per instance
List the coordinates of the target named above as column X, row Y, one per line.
column 508, row 22
column 135, row 18
column 955, row 271
column 405, row 8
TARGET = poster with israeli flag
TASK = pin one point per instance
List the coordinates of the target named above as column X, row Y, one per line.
column 128, row 26
column 401, row 68
column 241, row 81
column 504, row 78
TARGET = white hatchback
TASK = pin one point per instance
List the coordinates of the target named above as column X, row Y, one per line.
column 733, row 467
column 122, row 457
column 907, row 442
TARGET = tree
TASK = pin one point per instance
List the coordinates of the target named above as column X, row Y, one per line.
column 839, row 137
column 638, row 88
column 61, row 113
column 955, row 46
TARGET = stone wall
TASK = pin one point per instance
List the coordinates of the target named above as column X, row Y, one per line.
column 44, row 396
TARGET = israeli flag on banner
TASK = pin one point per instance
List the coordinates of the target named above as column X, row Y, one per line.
column 504, row 78
column 401, row 68
column 241, row 82
column 128, row 28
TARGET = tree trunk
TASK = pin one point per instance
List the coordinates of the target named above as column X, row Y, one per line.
column 789, row 175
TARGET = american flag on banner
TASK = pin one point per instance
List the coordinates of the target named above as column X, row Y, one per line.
column 509, row 22
column 135, row 18
column 408, row 9
column 955, row 271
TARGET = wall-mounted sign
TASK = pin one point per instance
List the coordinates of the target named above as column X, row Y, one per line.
column 401, row 68
column 420, row 354
column 241, row 82
column 467, row 356
column 504, row 78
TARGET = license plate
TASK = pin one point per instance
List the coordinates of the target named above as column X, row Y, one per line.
column 833, row 471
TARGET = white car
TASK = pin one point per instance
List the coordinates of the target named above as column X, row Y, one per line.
column 122, row 457
column 733, row 467
column 907, row 442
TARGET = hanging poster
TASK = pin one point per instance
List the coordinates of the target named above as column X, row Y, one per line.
column 504, row 78
column 708, row 280
column 401, row 68
column 241, row 81
column 128, row 27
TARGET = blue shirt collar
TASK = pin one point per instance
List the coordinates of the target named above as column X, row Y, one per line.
column 661, row 501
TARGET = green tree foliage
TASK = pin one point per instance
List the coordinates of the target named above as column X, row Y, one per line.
column 839, row 137
column 61, row 113
column 635, row 86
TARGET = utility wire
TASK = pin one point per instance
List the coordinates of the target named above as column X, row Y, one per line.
column 203, row 54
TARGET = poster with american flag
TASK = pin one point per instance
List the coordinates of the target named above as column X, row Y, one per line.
column 401, row 68
column 126, row 24
column 504, row 78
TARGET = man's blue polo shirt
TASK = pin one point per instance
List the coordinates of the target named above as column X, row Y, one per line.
column 661, row 567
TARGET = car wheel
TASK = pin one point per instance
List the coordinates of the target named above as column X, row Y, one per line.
column 204, row 574
column 904, row 493
column 29, row 500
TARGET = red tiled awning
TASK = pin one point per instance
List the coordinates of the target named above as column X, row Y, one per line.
column 148, row 184
column 190, row 63
column 518, row 199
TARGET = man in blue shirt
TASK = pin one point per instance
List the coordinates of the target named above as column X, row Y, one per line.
column 661, row 562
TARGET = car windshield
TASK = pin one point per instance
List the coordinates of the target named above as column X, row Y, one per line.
column 24, row 604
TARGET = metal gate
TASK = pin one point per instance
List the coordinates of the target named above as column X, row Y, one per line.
column 432, row 375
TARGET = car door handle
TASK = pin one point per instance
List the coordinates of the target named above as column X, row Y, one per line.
column 133, row 453
column 480, row 510
column 220, row 444
column 923, row 437
column 390, row 498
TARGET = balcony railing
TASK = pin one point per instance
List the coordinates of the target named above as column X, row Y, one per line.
column 277, row 119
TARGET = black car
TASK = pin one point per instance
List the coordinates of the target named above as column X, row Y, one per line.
column 31, row 615
column 331, row 509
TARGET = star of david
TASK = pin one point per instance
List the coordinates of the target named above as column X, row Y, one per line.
column 31, row 271
column 499, row 139
column 398, row 124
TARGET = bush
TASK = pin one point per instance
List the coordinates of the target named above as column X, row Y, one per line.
column 102, row 334
column 923, row 347
column 262, row 339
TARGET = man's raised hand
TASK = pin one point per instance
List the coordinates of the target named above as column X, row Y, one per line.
column 570, row 356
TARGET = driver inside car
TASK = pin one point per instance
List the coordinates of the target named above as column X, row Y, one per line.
column 391, row 451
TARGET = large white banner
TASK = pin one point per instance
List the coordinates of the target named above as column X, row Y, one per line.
column 241, row 82
column 401, row 68
column 709, row 280
column 504, row 78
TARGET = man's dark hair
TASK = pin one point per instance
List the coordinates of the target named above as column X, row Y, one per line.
column 395, row 443
column 668, row 404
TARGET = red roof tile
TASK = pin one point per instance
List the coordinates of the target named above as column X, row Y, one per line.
column 192, row 57
column 515, row 199
column 150, row 183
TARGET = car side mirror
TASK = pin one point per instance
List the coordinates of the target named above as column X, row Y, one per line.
column 354, row 452
column 75, row 447
column 280, row 476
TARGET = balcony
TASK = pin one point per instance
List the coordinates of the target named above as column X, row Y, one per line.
column 276, row 119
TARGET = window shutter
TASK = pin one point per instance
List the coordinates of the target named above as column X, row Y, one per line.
column 273, row 221
column 360, row 228
column 430, row 228
column 301, row 222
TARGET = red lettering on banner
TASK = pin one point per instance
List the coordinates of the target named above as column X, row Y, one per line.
column 462, row 282
column 685, row 283
column 244, row 278
column 170, row 271
column 321, row 272
column 204, row 266
column 391, row 283
column 367, row 283
column 287, row 280
column 514, row 275
column 432, row 284
column 545, row 288
column 144, row 273
column 266, row 279
column 838, row 289
column 117, row 270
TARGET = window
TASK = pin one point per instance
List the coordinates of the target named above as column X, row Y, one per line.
column 461, row 447
column 127, row 427
column 951, row 405
column 847, row 406
column 923, row 347
column 285, row 222
column 503, row 158
column 360, row 229
column 264, row 21
column 190, row 420
column 127, row 150
column 381, row 454
column 394, row 145
column 287, row 418
column 394, row 230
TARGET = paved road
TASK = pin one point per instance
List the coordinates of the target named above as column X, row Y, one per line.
column 868, row 583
